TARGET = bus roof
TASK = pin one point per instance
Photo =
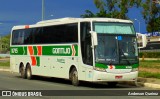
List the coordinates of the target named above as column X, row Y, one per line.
column 69, row 20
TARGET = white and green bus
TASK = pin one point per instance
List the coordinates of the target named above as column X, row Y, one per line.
column 79, row 49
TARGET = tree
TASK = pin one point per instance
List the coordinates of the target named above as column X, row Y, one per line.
column 5, row 43
column 88, row 14
column 112, row 8
column 151, row 12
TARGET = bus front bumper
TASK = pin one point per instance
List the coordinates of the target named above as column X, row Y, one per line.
column 104, row 76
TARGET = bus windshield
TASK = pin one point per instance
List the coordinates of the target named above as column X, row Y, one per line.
column 119, row 47
column 114, row 28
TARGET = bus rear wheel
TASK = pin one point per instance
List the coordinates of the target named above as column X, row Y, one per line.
column 28, row 72
column 74, row 77
column 22, row 71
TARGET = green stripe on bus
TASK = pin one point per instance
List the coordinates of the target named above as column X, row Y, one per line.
column 35, row 50
column 18, row 50
column 100, row 65
column 59, row 50
column 135, row 66
column 25, row 51
column 38, row 61
column 47, row 50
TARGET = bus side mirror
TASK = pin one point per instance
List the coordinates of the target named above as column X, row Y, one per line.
column 142, row 40
column 94, row 38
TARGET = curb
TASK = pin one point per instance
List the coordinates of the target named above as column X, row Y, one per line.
column 151, row 85
column 143, row 82
column 2, row 69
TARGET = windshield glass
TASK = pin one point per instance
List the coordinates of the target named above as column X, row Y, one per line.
column 128, row 50
column 116, row 48
column 114, row 28
column 106, row 51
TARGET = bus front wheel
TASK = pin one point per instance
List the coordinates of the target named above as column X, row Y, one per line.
column 74, row 77
column 28, row 72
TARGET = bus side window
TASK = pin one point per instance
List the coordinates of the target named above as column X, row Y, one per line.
column 21, row 37
column 14, row 37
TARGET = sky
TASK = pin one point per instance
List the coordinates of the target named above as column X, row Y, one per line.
column 25, row 12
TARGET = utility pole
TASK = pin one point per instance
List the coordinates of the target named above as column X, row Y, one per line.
column 139, row 24
column 43, row 10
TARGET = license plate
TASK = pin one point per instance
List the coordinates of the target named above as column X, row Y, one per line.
column 118, row 77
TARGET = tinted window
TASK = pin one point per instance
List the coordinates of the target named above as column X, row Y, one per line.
column 61, row 34
column 46, row 35
column 18, row 37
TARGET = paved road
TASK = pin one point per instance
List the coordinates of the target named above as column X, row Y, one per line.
column 12, row 81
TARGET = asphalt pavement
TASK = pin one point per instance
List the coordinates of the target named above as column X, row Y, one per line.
column 145, row 82
column 12, row 81
column 60, row 88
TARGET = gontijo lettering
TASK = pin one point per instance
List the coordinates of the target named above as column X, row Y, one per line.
column 61, row 50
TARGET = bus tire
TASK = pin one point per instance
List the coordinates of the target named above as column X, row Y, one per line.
column 28, row 72
column 112, row 84
column 22, row 71
column 74, row 77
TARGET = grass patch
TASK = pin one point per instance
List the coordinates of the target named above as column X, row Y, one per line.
column 150, row 64
column 149, row 75
column 6, row 64
column 149, row 54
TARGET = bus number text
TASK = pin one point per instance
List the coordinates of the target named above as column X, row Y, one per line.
column 14, row 50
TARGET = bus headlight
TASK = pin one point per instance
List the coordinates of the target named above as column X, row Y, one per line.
column 134, row 69
column 100, row 69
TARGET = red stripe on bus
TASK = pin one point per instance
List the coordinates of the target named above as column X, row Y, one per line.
column 73, row 51
column 39, row 50
column 26, row 26
column 30, row 48
column 34, row 62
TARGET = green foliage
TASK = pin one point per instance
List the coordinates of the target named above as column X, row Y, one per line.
column 149, row 54
column 151, row 13
column 88, row 14
column 7, row 63
column 5, row 43
column 149, row 75
column 147, row 68
column 119, row 9
column 112, row 8
column 150, row 64
column 154, row 25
